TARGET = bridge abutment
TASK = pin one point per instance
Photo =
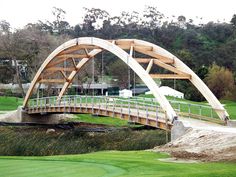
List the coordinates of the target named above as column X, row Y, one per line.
column 22, row 116
column 178, row 129
column 231, row 123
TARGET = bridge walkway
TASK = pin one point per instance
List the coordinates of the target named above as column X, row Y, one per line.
column 141, row 110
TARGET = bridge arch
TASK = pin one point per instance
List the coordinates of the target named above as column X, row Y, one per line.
column 159, row 56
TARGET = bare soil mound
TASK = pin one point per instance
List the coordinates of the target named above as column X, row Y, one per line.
column 204, row 145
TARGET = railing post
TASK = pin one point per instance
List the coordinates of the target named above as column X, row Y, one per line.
column 211, row 112
column 200, row 111
column 41, row 104
column 37, row 103
column 80, row 103
column 129, row 107
column 86, row 103
column 157, row 116
column 64, row 100
column 137, row 107
column 113, row 107
column 54, row 103
column 75, row 100
column 146, row 114
column 166, row 119
column 121, row 109
column 69, row 103
column 92, row 104
column 44, row 104
column 99, row 105
column 106, row 104
column 33, row 104
column 179, row 107
column 189, row 110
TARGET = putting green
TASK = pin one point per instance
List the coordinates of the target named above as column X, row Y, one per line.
column 109, row 164
column 23, row 168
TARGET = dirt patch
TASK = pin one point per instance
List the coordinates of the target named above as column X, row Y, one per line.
column 204, row 145
column 177, row 160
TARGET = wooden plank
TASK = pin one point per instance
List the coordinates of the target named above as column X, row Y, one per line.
column 149, row 67
column 52, row 81
column 78, row 47
column 170, row 76
column 143, row 47
column 124, row 42
column 73, row 56
column 168, row 67
column 86, row 51
column 56, row 61
column 74, row 64
column 60, row 69
column 147, row 60
column 155, row 55
column 64, row 75
column 131, row 51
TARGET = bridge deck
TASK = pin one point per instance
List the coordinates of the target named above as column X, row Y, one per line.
column 131, row 115
column 146, row 113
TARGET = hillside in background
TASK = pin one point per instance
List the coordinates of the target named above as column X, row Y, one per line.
column 197, row 45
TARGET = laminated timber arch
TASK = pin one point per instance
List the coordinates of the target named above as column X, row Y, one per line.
column 156, row 55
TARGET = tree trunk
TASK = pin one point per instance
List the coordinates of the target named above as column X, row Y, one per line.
column 18, row 77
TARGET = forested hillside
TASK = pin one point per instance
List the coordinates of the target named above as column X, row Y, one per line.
column 209, row 49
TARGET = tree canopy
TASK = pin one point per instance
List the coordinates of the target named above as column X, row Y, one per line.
column 197, row 45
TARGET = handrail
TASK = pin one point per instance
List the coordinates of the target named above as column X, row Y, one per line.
column 115, row 102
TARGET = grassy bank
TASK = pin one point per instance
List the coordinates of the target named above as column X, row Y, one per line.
column 9, row 103
column 230, row 106
column 103, row 120
column 110, row 164
column 20, row 141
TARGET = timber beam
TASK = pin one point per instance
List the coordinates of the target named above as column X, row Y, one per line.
column 52, row 81
column 168, row 67
column 170, row 76
column 80, row 56
column 147, row 60
column 78, row 47
column 59, row 69
column 155, row 55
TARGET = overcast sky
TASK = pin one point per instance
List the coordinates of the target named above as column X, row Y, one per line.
column 21, row 12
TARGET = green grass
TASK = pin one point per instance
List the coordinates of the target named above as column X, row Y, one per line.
column 229, row 105
column 102, row 120
column 110, row 164
column 10, row 103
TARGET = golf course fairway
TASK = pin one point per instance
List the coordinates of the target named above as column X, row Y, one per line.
column 109, row 164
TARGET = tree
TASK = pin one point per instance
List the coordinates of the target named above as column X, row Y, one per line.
column 12, row 47
column 94, row 18
column 181, row 21
column 221, row 81
column 119, row 70
column 152, row 17
column 233, row 21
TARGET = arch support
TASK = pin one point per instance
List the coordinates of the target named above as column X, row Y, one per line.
column 158, row 55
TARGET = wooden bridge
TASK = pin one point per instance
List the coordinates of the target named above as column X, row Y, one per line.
column 62, row 65
column 146, row 111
